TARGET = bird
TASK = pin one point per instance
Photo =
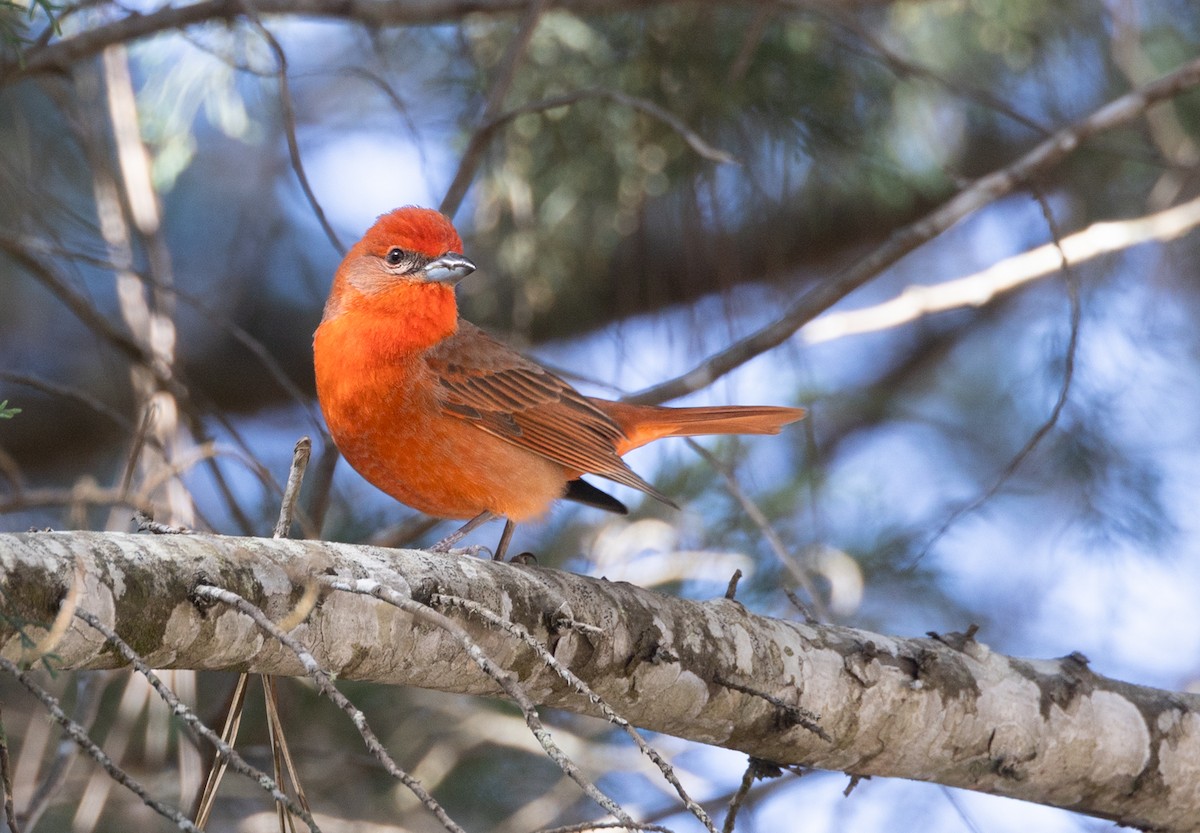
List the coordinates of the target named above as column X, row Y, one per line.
column 452, row 422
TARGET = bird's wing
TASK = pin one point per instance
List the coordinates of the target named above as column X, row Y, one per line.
column 489, row 384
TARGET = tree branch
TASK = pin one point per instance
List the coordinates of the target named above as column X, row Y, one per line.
column 61, row 54
column 984, row 191
column 944, row 709
column 919, row 300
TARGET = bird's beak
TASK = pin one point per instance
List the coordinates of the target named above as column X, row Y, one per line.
column 449, row 268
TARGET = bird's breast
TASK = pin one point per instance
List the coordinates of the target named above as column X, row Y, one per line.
column 383, row 412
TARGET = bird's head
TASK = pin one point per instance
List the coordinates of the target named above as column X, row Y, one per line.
column 405, row 247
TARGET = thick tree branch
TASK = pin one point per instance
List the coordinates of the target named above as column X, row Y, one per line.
column 944, row 709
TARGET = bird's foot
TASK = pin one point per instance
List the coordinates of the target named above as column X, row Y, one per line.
column 470, row 550
column 447, row 543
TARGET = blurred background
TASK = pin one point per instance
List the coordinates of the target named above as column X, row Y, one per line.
column 641, row 186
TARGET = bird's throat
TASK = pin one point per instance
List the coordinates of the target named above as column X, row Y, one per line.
column 406, row 319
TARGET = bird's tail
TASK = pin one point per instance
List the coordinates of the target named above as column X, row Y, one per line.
column 646, row 423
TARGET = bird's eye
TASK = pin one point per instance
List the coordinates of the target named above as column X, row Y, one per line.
column 394, row 257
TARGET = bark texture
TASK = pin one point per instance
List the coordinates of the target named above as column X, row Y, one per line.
column 945, row 709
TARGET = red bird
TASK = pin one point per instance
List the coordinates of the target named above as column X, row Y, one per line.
column 452, row 422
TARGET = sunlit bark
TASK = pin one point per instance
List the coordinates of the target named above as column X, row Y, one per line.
column 944, row 709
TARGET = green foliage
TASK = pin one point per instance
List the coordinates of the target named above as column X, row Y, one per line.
column 7, row 412
column 16, row 17
column 835, row 134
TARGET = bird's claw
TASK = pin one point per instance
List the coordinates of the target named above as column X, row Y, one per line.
column 474, row 550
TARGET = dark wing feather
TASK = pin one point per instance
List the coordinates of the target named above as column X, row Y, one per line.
column 497, row 389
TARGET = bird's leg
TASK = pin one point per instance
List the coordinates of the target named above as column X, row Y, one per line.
column 457, row 535
column 505, row 537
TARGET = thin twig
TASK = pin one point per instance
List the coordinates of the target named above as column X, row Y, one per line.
column 721, row 802
column 503, row 77
column 10, row 813
column 644, row 105
column 982, row 287
column 501, row 676
column 739, row 797
column 1072, row 285
column 588, row 826
column 145, row 523
column 80, row 736
column 206, row 798
column 800, row 606
column 289, row 127
column 760, row 520
column 901, row 67
column 731, row 588
column 287, row 508
column 81, row 396
column 320, row 486
column 225, row 752
column 23, row 251
column 552, row 662
column 794, row 714
column 60, row 54
column 209, row 312
column 984, row 191
column 325, row 686
column 136, row 444
column 751, row 40
column 281, row 754
column 89, row 691
column 756, row 769
column 86, row 492
column 405, row 532
column 48, row 274
column 237, row 703
column 968, row 822
column 255, row 347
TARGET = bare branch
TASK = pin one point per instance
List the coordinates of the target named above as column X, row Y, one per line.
column 584, row 689
column 793, row 565
column 693, row 139
column 6, row 784
column 22, row 250
column 505, row 679
column 89, row 689
column 291, row 492
column 80, row 736
column 1043, row 430
column 289, row 131
column 67, row 392
column 86, row 492
column 1005, row 726
column 504, row 75
column 325, row 684
column 1037, row 162
column 60, row 55
column 982, row 287
column 227, row 753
